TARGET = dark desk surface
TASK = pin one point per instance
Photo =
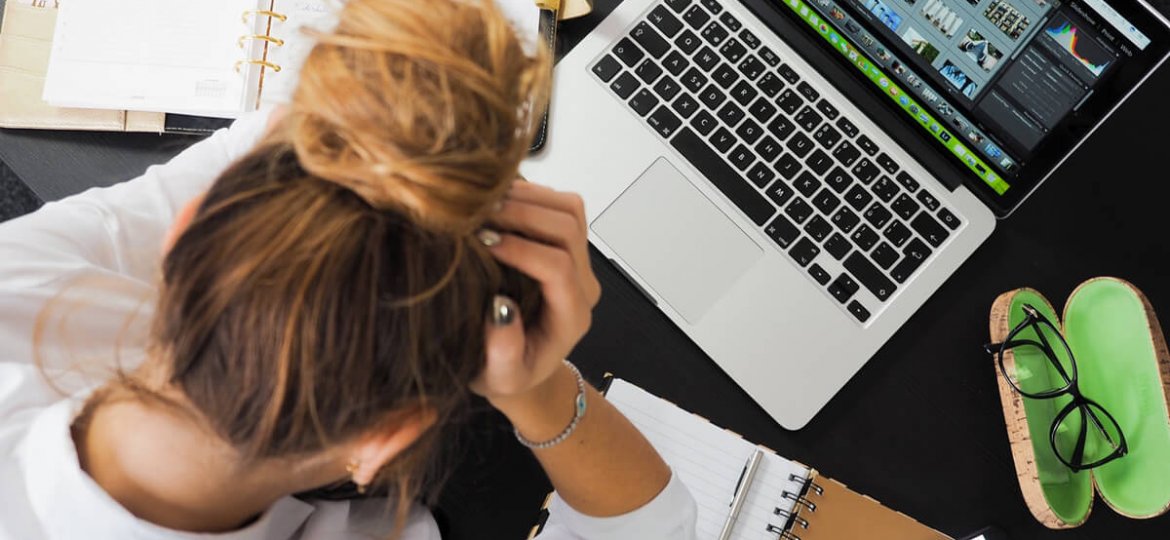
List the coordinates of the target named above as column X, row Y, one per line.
column 919, row 428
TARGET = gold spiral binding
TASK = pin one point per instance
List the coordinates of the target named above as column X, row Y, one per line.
column 812, row 506
column 791, row 517
column 257, row 37
column 274, row 67
column 263, row 13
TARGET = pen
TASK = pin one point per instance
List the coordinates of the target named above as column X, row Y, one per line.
column 741, row 489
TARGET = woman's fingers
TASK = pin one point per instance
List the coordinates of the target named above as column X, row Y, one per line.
column 507, row 368
column 569, row 203
column 554, row 268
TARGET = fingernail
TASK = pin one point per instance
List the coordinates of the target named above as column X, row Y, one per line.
column 489, row 237
column 497, row 207
column 503, row 311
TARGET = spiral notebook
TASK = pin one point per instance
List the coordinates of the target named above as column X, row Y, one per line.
column 783, row 499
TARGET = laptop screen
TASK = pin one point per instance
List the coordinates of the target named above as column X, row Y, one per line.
column 1007, row 87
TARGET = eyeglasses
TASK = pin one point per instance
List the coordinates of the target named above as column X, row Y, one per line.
column 1083, row 435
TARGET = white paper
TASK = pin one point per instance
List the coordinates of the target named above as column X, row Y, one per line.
column 525, row 16
column 709, row 461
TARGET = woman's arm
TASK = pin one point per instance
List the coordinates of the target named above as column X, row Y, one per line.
column 605, row 467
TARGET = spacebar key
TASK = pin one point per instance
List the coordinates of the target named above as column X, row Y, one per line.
column 728, row 180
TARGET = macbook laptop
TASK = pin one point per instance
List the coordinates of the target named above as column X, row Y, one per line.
column 788, row 180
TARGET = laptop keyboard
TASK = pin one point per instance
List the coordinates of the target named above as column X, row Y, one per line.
column 824, row 192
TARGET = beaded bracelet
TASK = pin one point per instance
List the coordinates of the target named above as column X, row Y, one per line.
column 578, row 407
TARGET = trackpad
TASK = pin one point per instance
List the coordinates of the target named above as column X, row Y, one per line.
column 676, row 240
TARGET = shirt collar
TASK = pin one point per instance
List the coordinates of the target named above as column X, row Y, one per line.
column 69, row 504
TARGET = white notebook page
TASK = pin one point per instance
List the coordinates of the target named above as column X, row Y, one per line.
column 709, row 461
column 153, row 55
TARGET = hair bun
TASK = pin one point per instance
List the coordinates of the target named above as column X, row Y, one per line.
column 419, row 107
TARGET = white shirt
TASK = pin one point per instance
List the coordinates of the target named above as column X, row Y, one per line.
column 96, row 257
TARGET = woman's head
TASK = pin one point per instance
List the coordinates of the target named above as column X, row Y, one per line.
column 330, row 284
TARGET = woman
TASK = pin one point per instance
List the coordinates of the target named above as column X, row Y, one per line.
column 319, row 313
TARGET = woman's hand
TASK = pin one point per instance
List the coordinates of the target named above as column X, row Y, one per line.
column 544, row 235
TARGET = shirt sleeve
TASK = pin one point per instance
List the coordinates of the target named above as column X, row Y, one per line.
column 670, row 515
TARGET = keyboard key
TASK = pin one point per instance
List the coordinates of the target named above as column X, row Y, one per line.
column 818, row 228
column 808, row 92
column 607, row 68
column 788, row 166
column 897, row 233
column 749, row 132
column 696, row 17
column 749, row 39
column 886, row 189
column 928, row 200
column 908, row 182
column 867, row 145
column 858, row 311
column 828, row 109
column 819, row 274
column 678, row 5
column 798, row 210
column 782, row 231
column 730, row 22
column 704, row 123
column 769, row 57
column 930, row 229
column 648, row 71
column 846, row 220
column 870, row 276
column 779, row 192
column 808, row 119
column 722, row 140
column 694, row 80
column 729, row 182
column 838, row 179
column 730, row 114
column 725, row 76
column 789, row 74
column 905, row 207
column 826, row 202
column 877, row 215
column 865, row 171
column 643, row 102
column 761, row 175
column 675, row 63
column 827, row 136
column 664, row 122
column 804, row 252
column 843, row 288
column 885, row 255
column 744, row 93
column 838, row 246
column 752, row 68
column 848, row 128
column 770, row 84
column 625, row 85
column 847, row 154
column 715, row 34
column 781, row 128
column 819, row 162
column 769, row 149
column 706, row 59
column 865, row 238
column 742, row 157
column 806, row 184
column 713, row 6
column 913, row 256
column 886, row 162
column 712, row 97
column 800, row 145
column 627, row 52
column 665, row 21
column 685, row 105
column 949, row 219
column 790, row 102
column 762, row 110
column 858, row 198
column 687, row 42
column 733, row 50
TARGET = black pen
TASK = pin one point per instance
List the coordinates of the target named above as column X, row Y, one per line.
column 741, row 490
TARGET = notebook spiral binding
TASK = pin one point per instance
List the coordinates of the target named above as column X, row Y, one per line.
column 792, row 519
column 268, row 40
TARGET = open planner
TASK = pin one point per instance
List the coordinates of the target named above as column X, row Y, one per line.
column 782, row 499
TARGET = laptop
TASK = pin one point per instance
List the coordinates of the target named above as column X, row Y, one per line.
column 789, row 181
